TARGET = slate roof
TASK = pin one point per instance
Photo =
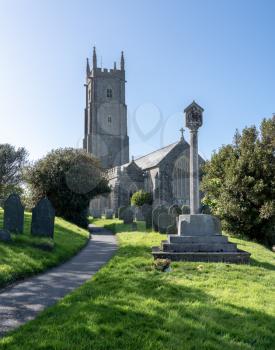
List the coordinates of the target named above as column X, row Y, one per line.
column 152, row 159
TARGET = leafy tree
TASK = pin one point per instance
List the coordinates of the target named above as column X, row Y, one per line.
column 139, row 198
column 239, row 183
column 12, row 162
column 70, row 178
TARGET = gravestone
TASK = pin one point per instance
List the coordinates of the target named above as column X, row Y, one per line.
column 120, row 212
column 164, row 220
column 128, row 216
column 138, row 214
column 13, row 214
column 109, row 213
column 43, row 215
column 5, row 236
column 147, row 214
column 155, row 216
column 96, row 213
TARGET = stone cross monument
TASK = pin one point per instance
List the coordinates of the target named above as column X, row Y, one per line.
column 193, row 120
column 199, row 236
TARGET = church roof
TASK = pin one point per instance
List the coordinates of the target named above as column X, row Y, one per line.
column 153, row 159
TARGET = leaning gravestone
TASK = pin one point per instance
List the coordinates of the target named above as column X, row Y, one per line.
column 164, row 220
column 13, row 214
column 5, row 236
column 43, row 216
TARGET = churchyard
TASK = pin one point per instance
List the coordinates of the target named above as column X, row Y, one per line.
column 130, row 303
column 171, row 278
column 171, row 246
column 25, row 255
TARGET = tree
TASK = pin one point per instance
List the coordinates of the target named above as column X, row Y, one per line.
column 239, row 183
column 70, row 178
column 139, row 198
column 12, row 162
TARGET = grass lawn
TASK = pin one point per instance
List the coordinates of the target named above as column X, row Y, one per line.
column 130, row 305
column 23, row 258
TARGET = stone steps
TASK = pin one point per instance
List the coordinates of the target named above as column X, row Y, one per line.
column 200, row 239
column 238, row 257
column 197, row 239
column 199, row 247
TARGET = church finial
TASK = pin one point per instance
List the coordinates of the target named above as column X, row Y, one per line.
column 182, row 131
column 88, row 67
column 122, row 62
column 94, row 58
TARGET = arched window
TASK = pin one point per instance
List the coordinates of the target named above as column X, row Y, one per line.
column 109, row 119
column 180, row 180
column 109, row 93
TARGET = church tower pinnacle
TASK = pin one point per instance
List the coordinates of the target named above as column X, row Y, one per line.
column 122, row 61
column 88, row 70
column 94, row 58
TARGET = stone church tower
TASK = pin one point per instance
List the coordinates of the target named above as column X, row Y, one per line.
column 106, row 114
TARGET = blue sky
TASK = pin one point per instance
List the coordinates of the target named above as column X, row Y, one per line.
column 219, row 52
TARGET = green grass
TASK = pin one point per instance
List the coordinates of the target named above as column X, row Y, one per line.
column 130, row 305
column 23, row 258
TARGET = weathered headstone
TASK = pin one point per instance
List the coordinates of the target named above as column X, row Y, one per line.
column 96, row 213
column 5, row 236
column 128, row 216
column 164, row 220
column 109, row 213
column 155, row 216
column 120, row 212
column 138, row 214
column 13, row 214
column 43, row 215
column 147, row 214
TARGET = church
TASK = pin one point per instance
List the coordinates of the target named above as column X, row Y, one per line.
column 164, row 173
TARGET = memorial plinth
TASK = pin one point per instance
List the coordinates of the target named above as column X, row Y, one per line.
column 199, row 236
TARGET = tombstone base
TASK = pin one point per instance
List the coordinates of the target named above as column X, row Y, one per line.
column 199, row 238
column 238, row 257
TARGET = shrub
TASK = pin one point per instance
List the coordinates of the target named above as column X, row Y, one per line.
column 239, row 183
column 12, row 162
column 139, row 198
column 70, row 178
column 185, row 209
column 205, row 209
